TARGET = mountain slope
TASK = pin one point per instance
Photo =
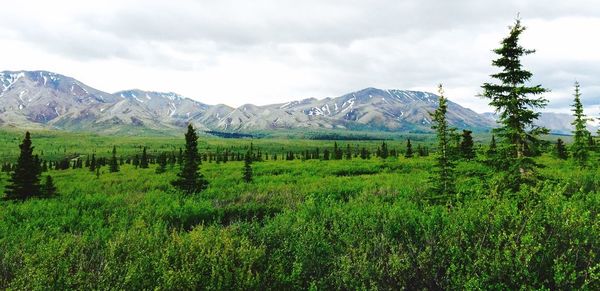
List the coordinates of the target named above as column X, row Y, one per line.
column 43, row 99
column 369, row 108
column 558, row 123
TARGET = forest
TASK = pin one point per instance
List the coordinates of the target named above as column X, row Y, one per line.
column 514, row 208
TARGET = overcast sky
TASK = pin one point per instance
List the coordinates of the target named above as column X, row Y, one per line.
column 270, row 51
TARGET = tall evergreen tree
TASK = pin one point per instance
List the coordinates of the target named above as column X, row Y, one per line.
column 591, row 142
column 384, row 151
column 162, row 163
column 409, row 151
column 515, row 102
column 144, row 159
column 348, row 152
column 114, row 163
column 180, row 157
column 579, row 148
column 560, row 151
column 24, row 181
column 492, row 149
column 337, row 152
column 248, row 167
column 189, row 179
column 326, row 155
column 136, row 161
column 363, row 153
column 466, row 145
column 48, row 189
column 93, row 163
column 443, row 182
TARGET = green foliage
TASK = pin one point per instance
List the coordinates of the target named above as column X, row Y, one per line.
column 443, row 181
column 348, row 154
column 48, row 189
column 560, row 150
column 162, row 163
column 114, row 164
column 144, row 159
column 92, row 165
column 299, row 226
column 466, row 146
column 25, row 179
column 492, row 150
column 580, row 145
column 384, row 153
column 409, row 150
column 336, row 224
column 515, row 102
column 190, row 180
column 247, row 173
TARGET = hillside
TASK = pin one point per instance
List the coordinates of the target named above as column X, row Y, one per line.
column 40, row 99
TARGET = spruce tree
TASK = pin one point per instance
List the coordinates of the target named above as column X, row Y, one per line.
column 162, row 163
column 348, row 152
column 180, row 158
column 384, row 151
column 363, row 153
column 144, row 159
column 515, row 102
column 248, row 167
column 93, row 165
column 136, row 161
column 114, row 163
column 48, row 189
column 24, row 181
column 492, row 149
column 338, row 154
column 409, row 151
column 189, row 179
column 466, row 146
column 560, row 151
column 443, row 182
column 591, row 142
column 579, row 148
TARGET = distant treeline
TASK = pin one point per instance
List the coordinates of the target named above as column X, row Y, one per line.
column 231, row 134
column 337, row 136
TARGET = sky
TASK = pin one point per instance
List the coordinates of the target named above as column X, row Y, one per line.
column 272, row 51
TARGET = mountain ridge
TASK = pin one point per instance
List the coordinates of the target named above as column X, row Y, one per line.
column 43, row 99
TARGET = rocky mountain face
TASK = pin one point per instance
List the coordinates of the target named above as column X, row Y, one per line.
column 372, row 109
column 40, row 99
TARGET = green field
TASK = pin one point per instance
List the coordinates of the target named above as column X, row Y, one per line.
column 301, row 224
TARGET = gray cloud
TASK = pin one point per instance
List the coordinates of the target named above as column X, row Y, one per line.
column 316, row 48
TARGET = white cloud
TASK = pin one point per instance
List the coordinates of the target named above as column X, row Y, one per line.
column 268, row 51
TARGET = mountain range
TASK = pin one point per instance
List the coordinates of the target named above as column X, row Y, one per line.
column 41, row 99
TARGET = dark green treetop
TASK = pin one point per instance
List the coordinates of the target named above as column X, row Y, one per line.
column 114, row 163
column 189, row 179
column 24, row 181
column 409, row 151
column 466, row 145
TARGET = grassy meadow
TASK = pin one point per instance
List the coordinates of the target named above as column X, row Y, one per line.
column 301, row 224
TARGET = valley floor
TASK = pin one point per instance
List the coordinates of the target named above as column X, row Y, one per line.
column 338, row 224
